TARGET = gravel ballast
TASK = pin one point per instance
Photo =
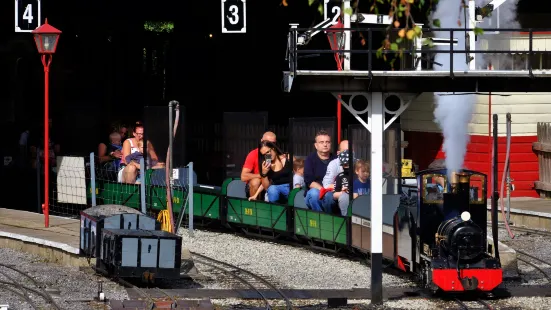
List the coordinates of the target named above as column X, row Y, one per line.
column 70, row 287
column 300, row 268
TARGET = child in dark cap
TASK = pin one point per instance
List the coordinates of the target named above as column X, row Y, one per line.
column 341, row 182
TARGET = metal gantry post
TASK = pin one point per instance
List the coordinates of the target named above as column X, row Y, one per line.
column 93, row 179
column 377, row 131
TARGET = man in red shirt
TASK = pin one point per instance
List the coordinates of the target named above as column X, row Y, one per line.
column 251, row 172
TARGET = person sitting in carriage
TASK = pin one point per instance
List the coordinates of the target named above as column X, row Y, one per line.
column 341, row 187
column 276, row 171
column 362, row 183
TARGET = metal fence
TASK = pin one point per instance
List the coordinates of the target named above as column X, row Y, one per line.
column 68, row 188
column 81, row 182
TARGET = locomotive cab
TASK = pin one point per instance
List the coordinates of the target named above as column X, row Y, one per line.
column 451, row 244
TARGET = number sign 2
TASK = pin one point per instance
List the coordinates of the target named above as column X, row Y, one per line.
column 332, row 9
column 234, row 16
column 27, row 15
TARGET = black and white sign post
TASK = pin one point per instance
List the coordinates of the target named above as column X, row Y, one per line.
column 27, row 15
column 234, row 16
column 332, row 9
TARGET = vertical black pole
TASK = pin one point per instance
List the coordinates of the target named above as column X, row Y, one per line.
column 451, row 54
column 495, row 194
column 370, row 55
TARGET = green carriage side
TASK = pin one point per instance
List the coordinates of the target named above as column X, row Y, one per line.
column 116, row 193
column 207, row 200
column 321, row 229
column 255, row 217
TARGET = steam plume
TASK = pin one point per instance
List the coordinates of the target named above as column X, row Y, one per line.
column 453, row 112
column 505, row 16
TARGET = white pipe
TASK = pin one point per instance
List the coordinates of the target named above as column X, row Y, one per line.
column 347, row 37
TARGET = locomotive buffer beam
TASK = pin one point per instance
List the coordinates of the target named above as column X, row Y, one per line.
column 469, row 284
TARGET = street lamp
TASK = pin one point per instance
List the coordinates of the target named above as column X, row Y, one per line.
column 46, row 38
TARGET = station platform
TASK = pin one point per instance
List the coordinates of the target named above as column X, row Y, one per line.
column 534, row 213
column 25, row 231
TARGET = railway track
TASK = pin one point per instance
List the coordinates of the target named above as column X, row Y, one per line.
column 25, row 292
column 526, row 261
column 527, row 230
column 521, row 253
column 150, row 302
column 467, row 305
column 245, row 277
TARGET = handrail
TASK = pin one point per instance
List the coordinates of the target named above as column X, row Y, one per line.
column 412, row 49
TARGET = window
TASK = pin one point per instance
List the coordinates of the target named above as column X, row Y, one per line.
column 434, row 187
column 478, row 188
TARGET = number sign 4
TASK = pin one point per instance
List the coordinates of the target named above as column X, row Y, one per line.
column 27, row 15
column 234, row 16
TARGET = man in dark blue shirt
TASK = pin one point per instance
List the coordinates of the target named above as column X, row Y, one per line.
column 315, row 167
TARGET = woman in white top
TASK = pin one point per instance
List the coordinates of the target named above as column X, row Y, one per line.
column 130, row 171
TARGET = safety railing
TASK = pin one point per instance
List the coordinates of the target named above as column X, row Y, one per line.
column 299, row 37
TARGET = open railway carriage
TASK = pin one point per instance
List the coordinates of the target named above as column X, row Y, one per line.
column 207, row 201
column 328, row 231
column 360, row 208
column 255, row 217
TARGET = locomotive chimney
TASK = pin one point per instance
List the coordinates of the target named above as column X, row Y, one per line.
column 463, row 185
column 454, row 179
column 458, row 200
column 460, row 182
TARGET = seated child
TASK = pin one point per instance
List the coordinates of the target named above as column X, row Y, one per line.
column 362, row 184
column 115, row 145
column 341, row 183
column 298, row 169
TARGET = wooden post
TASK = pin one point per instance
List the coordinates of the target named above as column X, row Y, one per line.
column 543, row 149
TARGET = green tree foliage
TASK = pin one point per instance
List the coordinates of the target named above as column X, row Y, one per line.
column 155, row 26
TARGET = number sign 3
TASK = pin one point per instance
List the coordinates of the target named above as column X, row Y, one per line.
column 27, row 15
column 234, row 16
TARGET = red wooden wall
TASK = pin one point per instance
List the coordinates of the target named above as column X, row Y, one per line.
column 424, row 147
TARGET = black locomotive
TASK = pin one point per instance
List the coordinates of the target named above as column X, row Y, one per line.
column 448, row 233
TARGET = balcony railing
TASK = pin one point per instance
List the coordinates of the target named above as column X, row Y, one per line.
column 414, row 50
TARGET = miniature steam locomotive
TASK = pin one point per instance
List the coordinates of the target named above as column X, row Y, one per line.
column 445, row 226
